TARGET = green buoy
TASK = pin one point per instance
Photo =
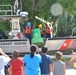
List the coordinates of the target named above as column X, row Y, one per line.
column 37, row 39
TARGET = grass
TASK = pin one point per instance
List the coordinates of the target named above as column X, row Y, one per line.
column 63, row 59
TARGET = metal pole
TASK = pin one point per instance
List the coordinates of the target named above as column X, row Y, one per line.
column 21, row 5
column 51, row 32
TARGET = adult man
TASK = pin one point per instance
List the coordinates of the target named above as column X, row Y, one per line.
column 27, row 31
column 4, row 59
column 46, row 65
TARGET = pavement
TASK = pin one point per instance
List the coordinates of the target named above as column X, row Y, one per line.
column 69, row 70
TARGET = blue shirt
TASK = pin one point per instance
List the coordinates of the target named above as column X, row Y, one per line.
column 46, row 60
column 32, row 64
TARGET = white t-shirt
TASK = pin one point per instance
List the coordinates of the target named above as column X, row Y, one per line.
column 3, row 61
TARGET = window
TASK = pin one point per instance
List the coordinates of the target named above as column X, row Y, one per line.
column 15, row 26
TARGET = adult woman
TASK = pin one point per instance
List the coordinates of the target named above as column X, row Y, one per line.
column 32, row 62
column 16, row 63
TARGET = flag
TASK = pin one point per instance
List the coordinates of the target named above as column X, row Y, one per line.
column 15, row 5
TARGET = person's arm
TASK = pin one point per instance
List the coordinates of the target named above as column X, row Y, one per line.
column 22, row 62
column 1, row 52
column 6, row 58
column 64, row 69
column 23, row 30
column 51, row 68
column 71, row 62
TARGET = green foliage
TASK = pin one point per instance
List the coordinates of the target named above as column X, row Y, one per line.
column 69, row 5
column 63, row 59
column 5, row 26
column 65, row 26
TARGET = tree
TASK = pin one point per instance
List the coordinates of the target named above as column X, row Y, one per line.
column 42, row 8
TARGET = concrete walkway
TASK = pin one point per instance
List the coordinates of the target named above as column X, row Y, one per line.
column 69, row 70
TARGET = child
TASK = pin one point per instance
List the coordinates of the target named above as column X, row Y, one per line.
column 16, row 64
column 59, row 66
column 46, row 65
column 32, row 62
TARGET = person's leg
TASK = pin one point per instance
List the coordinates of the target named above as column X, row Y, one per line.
column 47, row 36
column 42, row 35
column 6, row 71
column 29, row 36
column 26, row 36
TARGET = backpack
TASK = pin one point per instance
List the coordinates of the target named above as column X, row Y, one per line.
column 47, row 30
column 27, row 30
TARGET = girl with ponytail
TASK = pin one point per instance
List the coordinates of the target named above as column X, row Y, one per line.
column 32, row 62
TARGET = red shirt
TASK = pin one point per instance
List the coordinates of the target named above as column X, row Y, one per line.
column 28, row 30
column 47, row 30
column 17, row 66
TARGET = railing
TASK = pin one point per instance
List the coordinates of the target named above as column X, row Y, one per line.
column 5, row 11
column 74, row 32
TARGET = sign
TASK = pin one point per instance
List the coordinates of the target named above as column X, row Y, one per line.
column 14, row 43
